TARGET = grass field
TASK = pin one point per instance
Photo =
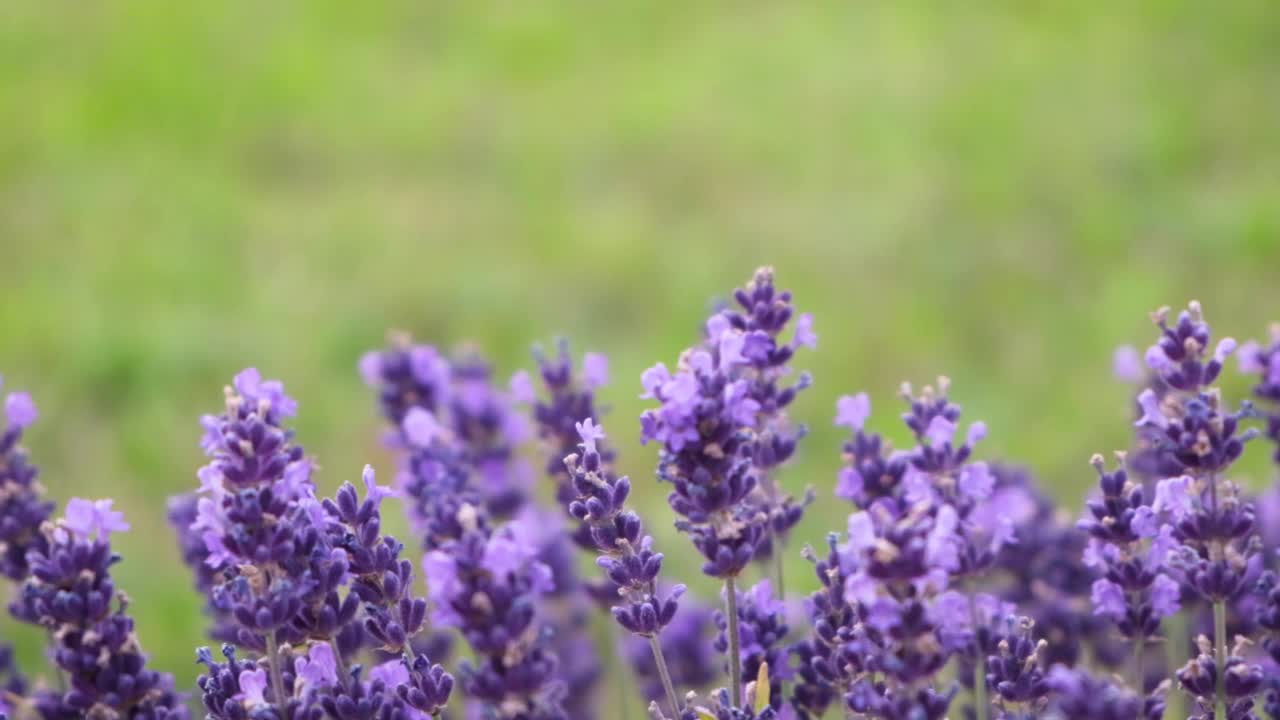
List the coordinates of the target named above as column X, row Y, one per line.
column 998, row 192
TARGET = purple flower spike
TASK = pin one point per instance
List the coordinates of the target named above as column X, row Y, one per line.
column 23, row 507
column 723, row 426
column 625, row 554
column 852, row 411
column 1135, row 590
column 71, row 594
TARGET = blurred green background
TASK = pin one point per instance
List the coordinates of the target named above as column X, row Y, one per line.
column 995, row 191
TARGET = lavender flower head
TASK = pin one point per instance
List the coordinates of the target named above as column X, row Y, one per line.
column 751, row 334
column 706, row 424
column 71, row 594
column 626, row 555
column 406, row 376
column 262, row 526
column 1240, row 682
column 486, row 580
column 22, row 505
column 1213, row 523
column 1131, row 552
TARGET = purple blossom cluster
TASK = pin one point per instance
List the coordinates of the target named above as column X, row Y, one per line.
column 309, row 586
column 957, row 588
column 70, row 593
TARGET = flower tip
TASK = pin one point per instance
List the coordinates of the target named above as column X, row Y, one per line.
column 20, row 410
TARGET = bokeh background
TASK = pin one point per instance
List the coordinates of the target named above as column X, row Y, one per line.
column 998, row 192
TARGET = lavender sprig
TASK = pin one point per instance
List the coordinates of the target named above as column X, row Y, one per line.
column 763, row 314
column 626, row 556
column 485, row 580
column 23, row 507
column 1131, row 552
column 70, row 593
column 1212, row 523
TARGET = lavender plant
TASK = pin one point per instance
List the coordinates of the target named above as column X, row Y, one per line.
column 954, row 577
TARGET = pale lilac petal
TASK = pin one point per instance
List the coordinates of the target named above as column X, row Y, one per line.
column 1248, row 357
column 20, row 410
column 1108, row 599
column 370, row 368
column 1173, row 495
column 421, row 427
column 521, row 388
column 253, row 687
column 1225, row 347
column 595, row 370
column 653, row 379
column 1166, row 596
column 852, row 411
column 805, row 336
column 850, row 484
column 939, row 432
column 1126, row 364
column 590, row 433
column 392, row 673
column 1151, row 414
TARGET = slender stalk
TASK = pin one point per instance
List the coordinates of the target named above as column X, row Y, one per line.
column 735, row 659
column 981, row 703
column 1139, row 684
column 624, row 685
column 1220, row 656
column 273, row 663
column 661, row 661
column 780, row 579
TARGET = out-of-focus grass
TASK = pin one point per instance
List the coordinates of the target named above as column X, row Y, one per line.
column 999, row 194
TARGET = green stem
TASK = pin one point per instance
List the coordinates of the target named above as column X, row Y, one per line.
column 1139, row 684
column 981, row 703
column 1220, row 656
column 778, row 546
column 735, row 660
column 273, row 663
column 661, row 661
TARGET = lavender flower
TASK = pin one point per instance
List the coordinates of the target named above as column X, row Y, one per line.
column 900, row 557
column 489, row 431
column 71, row 594
column 751, row 335
column 1016, row 673
column 1132, row 553
column 486, row 581
column 569, row 401
column 626, row 556
column 262, row 526
column 829, row 661
column 22, row 504
column 1214, row 527
column 706, row 425
column 406, row 376
column 1077, row 694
